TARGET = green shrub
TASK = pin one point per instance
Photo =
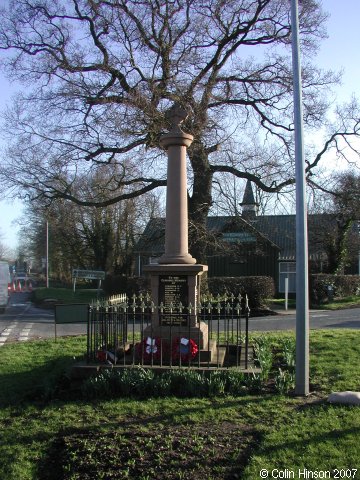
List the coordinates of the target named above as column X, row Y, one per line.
column 258, row 289
column 114, row 284
column 138, row 382
column 264, row 356
column 98, row 386
column 288, row 346
column 284, row 381
column 132, row 382
column 127, row 382
column 343, row 286
column 142, row 381
column 253, row 383
column 235, row 383
column 162, row 385
column 216, row 384
column 187, row 383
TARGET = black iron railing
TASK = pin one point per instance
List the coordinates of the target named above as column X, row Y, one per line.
column 123, row 333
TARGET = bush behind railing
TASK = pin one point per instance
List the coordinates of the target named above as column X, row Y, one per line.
column 258, row 289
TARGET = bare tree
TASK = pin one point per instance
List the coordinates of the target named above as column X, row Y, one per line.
column 337, row 231
column 4, row 249
column 228, row 189
column 88, row 236
column 100, row 76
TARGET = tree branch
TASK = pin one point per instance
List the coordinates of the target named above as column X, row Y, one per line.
column 274, row 187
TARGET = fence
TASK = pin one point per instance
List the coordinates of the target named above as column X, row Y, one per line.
column 72, row 313
column 116, row 333
column 79, row 312
column 116, row 299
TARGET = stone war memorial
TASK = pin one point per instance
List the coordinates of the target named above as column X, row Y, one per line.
column 172, row 325
column 176, row 279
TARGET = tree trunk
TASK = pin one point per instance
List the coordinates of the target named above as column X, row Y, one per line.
column 200, row 202
column 338, row 253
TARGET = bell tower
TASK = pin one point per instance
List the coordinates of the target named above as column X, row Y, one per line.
column 249, row 205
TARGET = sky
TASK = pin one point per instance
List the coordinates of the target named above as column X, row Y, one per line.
column 340, row 51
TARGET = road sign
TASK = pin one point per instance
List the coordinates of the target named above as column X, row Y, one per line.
column 89, row 274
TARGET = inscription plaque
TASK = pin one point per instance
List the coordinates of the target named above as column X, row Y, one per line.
column 173, row 289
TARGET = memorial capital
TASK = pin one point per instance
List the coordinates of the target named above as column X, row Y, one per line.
column 176, row 116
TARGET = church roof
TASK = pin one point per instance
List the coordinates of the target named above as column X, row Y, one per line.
column 278, row 230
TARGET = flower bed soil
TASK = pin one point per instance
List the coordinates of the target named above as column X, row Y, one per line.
column 135, row 451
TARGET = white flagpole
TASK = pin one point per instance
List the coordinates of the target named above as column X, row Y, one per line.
column 302, row 287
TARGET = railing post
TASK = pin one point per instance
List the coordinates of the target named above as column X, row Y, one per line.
column 247, row 314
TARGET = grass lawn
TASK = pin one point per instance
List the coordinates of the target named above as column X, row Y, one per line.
column 336, row 304
column 49, row 431
column 345, row 302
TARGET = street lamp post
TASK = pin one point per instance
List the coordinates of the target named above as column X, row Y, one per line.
column 302, row 299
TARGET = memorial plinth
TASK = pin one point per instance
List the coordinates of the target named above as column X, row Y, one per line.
column 177, row 284
column 176, row 279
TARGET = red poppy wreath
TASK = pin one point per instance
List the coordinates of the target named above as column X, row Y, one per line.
column 149, row 348
column 184, row 348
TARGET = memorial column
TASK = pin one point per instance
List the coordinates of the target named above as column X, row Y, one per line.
column 175, row 280
column 176, row 225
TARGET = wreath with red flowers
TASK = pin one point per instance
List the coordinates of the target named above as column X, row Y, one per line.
column 184, row 349
column 101, row 355
column 149, row 348
column 105, row 356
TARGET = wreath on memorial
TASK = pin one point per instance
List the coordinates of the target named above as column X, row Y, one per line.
column 184, row 349
column 101, row 355
column 104, row 355
column 149, row 348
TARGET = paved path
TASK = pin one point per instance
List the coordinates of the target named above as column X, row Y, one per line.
column 22, row 321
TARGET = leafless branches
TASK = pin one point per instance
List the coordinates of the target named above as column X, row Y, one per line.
column 100, row 76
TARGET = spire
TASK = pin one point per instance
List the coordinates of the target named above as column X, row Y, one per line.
column 249, row 205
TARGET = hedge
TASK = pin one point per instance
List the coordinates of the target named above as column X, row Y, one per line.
column 258, row 289
column 342, row 285
column 114, row 284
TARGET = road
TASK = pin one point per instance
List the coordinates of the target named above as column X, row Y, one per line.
column 348, row 318
column 23, row 321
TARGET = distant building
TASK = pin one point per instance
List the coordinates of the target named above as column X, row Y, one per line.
column 252, row 244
